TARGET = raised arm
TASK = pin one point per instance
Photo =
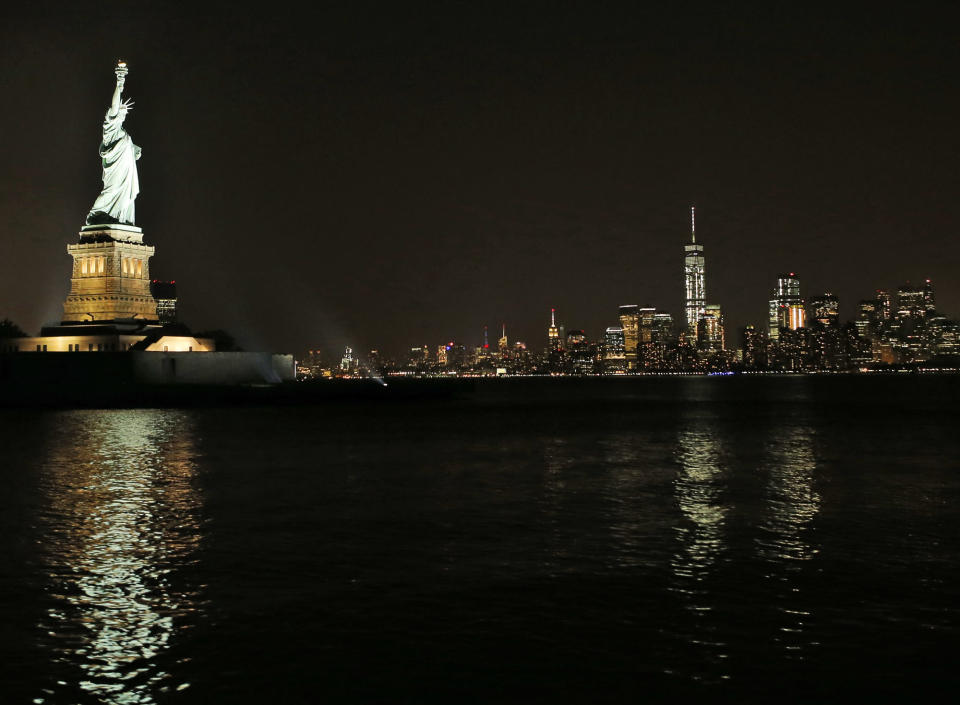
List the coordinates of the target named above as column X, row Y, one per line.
column 121, row 72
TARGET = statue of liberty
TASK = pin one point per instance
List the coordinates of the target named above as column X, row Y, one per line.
column 119, row 157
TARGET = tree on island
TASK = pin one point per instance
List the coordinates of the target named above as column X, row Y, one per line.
column 9, row 329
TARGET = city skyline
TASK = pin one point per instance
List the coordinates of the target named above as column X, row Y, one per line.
column 358, row 188
column 795, row 310
column 900, row 328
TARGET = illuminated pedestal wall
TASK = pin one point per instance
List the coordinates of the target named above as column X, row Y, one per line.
column 111, row 276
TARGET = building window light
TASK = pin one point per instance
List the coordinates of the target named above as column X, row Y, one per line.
column 83, row 265
column 139, row 267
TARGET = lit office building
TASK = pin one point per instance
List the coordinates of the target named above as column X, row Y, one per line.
column 911, row 302
column 947, row 338
column 347, row 362
column 576, row 337
column 418, row 357
column 661, row 330
column 754, row 348
column 630, row 323
column 773, row 319
column 868, row 318
column 786, row 307
column 694, row 270
column 652, row 354
column 166, row 295
column 928, row 300
column 647, row 316
column 794, row 315
column 885, row 301
column 614, row 356
column 825, row 310
column 710, row 329
column 582, row 353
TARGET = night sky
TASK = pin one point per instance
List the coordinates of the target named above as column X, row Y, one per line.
column 386, row 179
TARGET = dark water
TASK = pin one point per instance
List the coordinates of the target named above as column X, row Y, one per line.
column 750, row 539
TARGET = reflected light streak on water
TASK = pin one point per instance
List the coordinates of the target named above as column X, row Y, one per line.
column 792, row 504
column 699, row 489
column 122, row 519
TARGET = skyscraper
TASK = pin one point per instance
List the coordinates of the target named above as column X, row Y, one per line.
column 886, row 304
column 630, row 322
column 553, row 333
column 786, row 307
column 694, row 283
column 825, row 310
column 754, row 348
column 662, row 329
column 868, row 318
column 614, row 359
column 710, row 329
column 911, row 301
column 165, row 294
column 582, row 353
column 928, row 300
column 647, row 315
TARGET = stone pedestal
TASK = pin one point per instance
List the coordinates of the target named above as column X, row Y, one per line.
column 111, row 276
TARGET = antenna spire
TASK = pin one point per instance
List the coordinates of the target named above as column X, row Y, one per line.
column 553, row 318
column 693, row 225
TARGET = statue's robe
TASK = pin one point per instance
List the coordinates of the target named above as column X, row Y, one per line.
column 119, row 156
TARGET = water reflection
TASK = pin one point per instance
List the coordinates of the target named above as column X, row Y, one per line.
column 792, row 502
column 557, row 461
column 699, row 490
column 121, row 525
column 626, row 492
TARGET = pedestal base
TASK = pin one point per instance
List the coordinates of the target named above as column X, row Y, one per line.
column 111, row 276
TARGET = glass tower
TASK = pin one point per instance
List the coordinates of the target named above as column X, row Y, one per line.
column 786, row 307
column 695, row 299
column 630, row 322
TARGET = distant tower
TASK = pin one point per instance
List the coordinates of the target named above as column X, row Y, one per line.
column 886, row 304
column 694, row 284
column 929, row 303
column 346, row 362
column 710, row 336
column 824, row 310
column 486, row 341
column 630, row 323
column 165, row 294
column 786, row 307
column 911, row 301
column 613, row 356
column 553, row 333
column 502, row 343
